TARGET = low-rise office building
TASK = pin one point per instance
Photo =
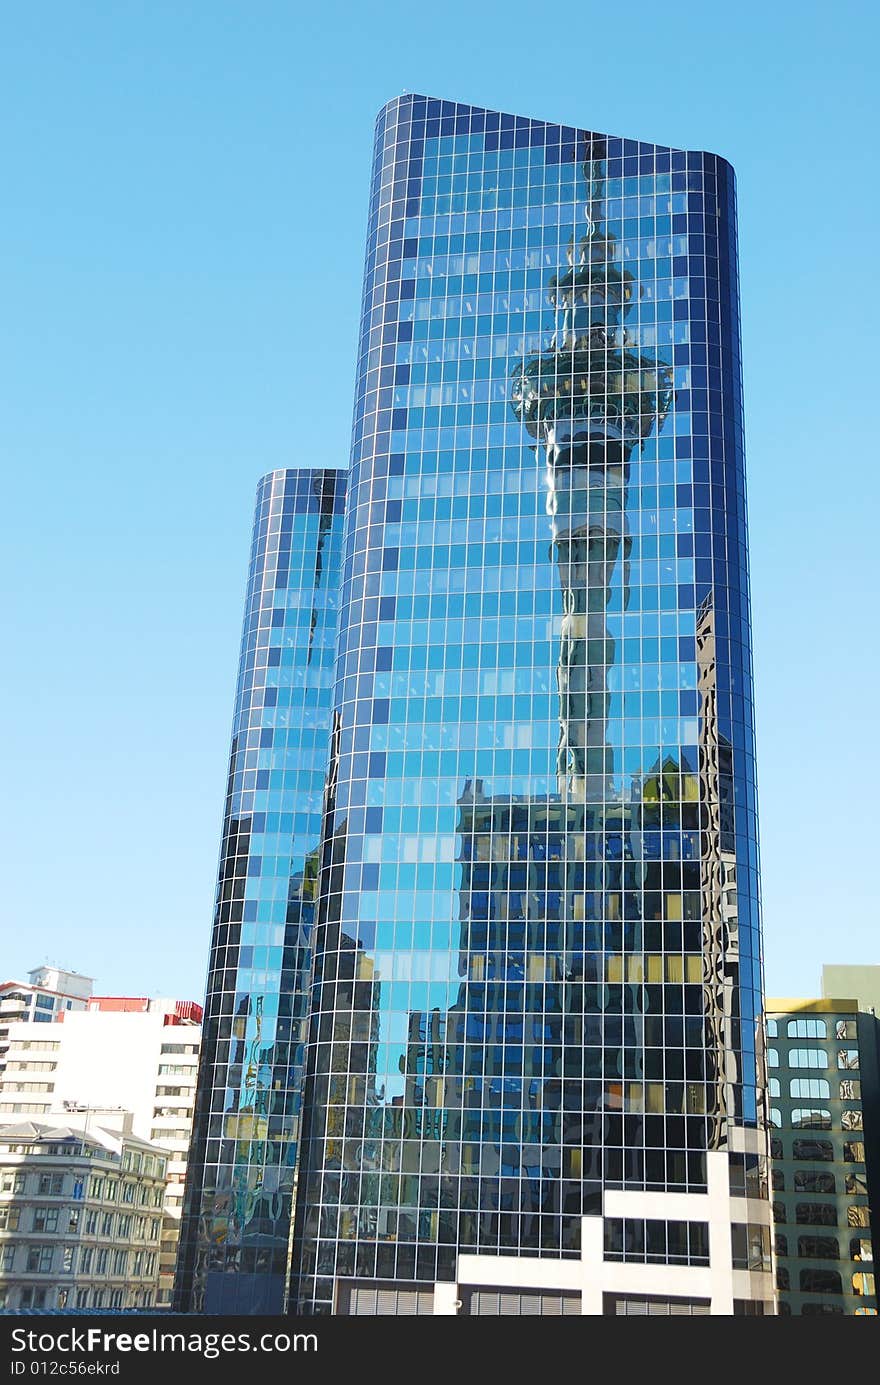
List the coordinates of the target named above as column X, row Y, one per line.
column 824, row 1093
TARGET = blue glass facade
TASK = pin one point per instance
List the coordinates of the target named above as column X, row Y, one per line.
column 236, row 1225
column 537, row 973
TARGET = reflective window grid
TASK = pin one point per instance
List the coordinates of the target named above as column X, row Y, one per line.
column 535, row 1029
column 236, row 1226
column 824, row 1089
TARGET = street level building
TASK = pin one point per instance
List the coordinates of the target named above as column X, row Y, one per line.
column 80, row 1215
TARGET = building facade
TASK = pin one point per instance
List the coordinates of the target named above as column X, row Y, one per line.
column 534, row 1068
column 128, row 1053
column 236, row 1233
column 534, row 1058
column 824, row 1084
column 48, row 992
column 80, row 1216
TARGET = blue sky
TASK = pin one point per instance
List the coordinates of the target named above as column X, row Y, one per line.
column 184, row 194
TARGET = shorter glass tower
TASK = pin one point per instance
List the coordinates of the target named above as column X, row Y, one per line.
column 237, row 1213
column 825, row 1095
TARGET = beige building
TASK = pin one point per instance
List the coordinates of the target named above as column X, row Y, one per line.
column 861, row 982
column 80, row 1215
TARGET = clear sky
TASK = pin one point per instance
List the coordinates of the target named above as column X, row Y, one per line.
column 184, row 196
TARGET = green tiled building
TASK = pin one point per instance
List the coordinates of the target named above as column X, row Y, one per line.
column 825, row 1114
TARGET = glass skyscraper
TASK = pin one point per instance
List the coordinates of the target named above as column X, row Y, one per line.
column 235, row 1231
column 534, row 1074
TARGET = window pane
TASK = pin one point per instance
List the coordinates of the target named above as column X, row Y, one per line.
column 813, row 1149
column 818, row 1247
column 820, row 1282
column 816, row 1214
column 807, row 1029
column 814, row 1181
column 810, row 1118
column 809, row 1087
column 807, row 1058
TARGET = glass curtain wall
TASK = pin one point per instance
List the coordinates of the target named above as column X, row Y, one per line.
column 242, row 1163
column 537, row 954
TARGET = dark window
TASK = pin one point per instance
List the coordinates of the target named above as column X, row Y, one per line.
column 814, row 1181
column 820, row 1282
column 813, row 1149
column 815, row 1214
column 657, row 1242
column 818, row 1247
column 751, row 1246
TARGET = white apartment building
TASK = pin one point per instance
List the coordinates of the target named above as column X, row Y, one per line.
column 125, row 1052
column 48, row 992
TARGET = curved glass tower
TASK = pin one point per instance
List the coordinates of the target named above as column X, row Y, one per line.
column 242, row 1166
column 534, row 1074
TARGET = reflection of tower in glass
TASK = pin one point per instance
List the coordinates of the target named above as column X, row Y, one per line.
column 548, row 883
column 589, row 400
column 515, row 913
